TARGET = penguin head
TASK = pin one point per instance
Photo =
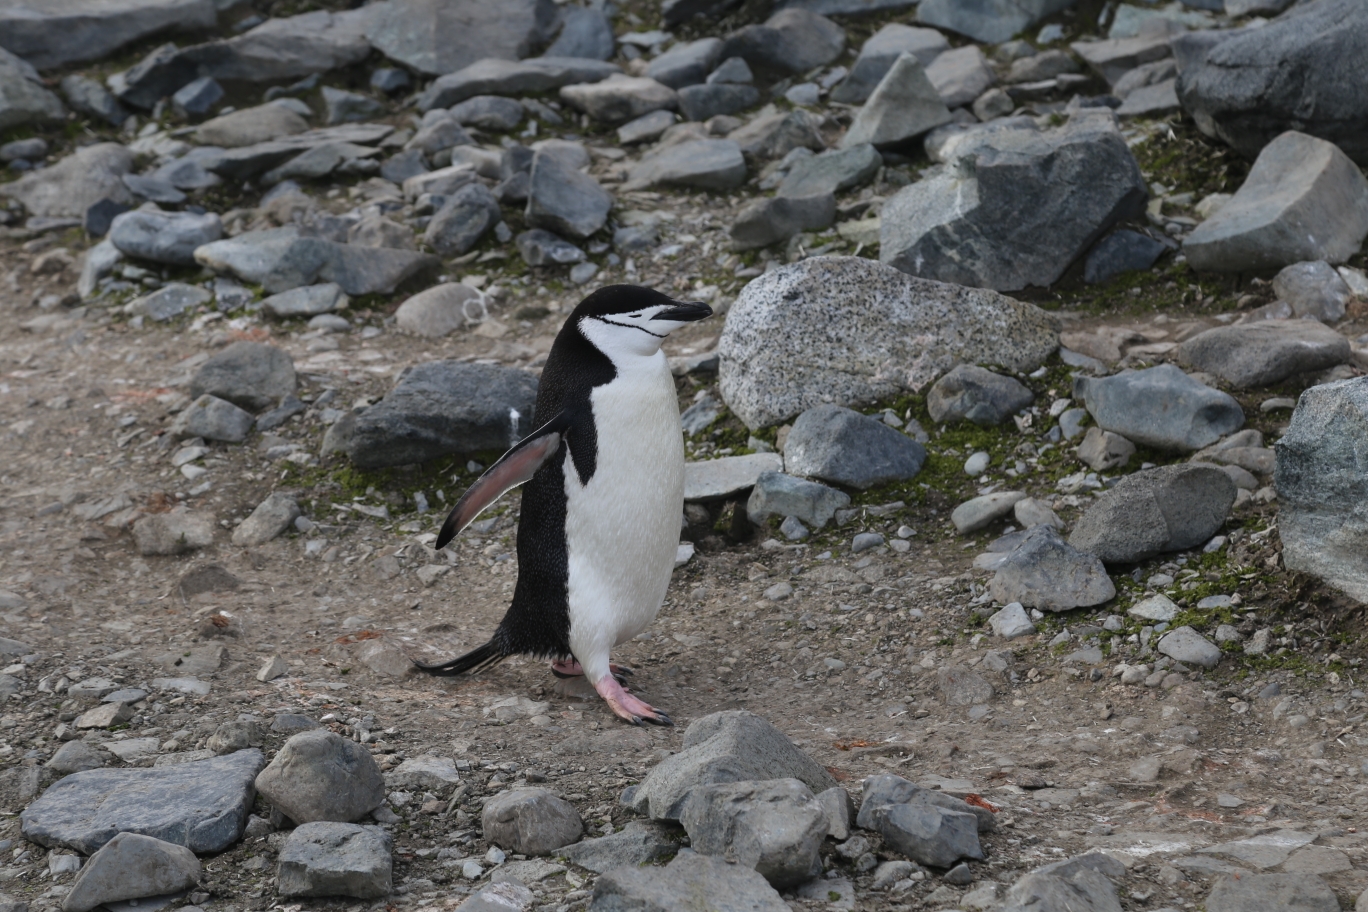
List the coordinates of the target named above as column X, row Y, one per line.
column 626, row 321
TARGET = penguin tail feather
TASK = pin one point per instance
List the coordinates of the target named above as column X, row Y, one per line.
column 478, row 659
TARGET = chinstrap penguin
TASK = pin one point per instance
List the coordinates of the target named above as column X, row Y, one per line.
column 604, row 492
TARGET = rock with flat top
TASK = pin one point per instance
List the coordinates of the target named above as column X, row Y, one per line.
column 251, row 375
column 1168, row 508
column 691, row 881
column 903, row 106
column 131, row 867
column 436, row 37
column 319, row 775
column 1160, row 407
column 706, row 164
column 1261, row 354
column 990, row 22
column 1045, row 572
column 619, row 98
column 839, row 445
column 71, row 186
column 791, row 41
column 327, row 858
column 496, row 76
column 879, row 53
column 530, row 821
column 775, row 827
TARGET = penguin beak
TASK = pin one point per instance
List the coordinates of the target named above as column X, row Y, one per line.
column 685, row 313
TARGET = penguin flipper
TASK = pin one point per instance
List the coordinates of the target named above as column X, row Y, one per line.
column 515, row 467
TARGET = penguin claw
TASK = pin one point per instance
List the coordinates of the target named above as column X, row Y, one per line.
column 627, row 707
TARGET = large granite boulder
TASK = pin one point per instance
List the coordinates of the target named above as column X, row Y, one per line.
column 849, row 331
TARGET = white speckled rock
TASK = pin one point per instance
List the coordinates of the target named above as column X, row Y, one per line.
column 847, row 330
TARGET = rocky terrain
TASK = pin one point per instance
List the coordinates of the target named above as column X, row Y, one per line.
column 1022, row 564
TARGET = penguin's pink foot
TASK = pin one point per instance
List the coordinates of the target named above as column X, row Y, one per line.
column 572, row 669
column 628, row 707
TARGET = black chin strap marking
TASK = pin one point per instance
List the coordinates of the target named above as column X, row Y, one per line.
column 630, row 326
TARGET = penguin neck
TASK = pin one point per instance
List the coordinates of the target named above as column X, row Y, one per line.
column 629, row 348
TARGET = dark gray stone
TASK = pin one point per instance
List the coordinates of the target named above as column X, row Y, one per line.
column 443, row 36
column 832, row 172
column 1304, row 200
column 1121, row 251
column 639, row 843
column 530, row 821
column 1169, row 508
column 464, row 218
column 153, row 189
column 790, row 41
column 775, row 827
column 54, row 35
column 336, row 859
column 251, row 375
column 23, row 99
column 884, row 791
column 1299, row 73
column 686, row 64
column 700, row 102
column 444, row 408
column 202, row 805
column 690, row 883
column 1272, row 893
column 903, row 106
column 880, row 52
column 563, row 199
column 619, row 98
column 349, row 107
column 213, row 419
column 930, row 835
column 318, row 775
column 438, row 133
column 585, row 33
column 1042, row 200
column 89, row 97
column 837, row 444
column 776, row 135
column 777, row 494
column 390, row 80
column 774, row 219
column 489, row 112
column 707, row 164
column 729, row 746
column 494, row 76
column 164, row 237
column 76, row 757
column 1045, row 572
column 168, row 302
column 132, row 867
column 74, row 184
column 1079, row 884
column 542, row 248
column 732, row 70
column 280, row 259
column 974, row 394
column 1322, row 489
column 195, row 99
column 646, row 128
column 1159, row 407
column 988, row 21
column 1253, row 355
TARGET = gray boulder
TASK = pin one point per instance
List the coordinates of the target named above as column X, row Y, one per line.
column 169, row 301
column 307, row 300
column 1045, row 572
column 960, row 75
column 1322, row 489
column 921, row 823
column 279, row 259
column 336, row 859
column 687, row 63
column 903, row 106
column 692, row 881
column 851, row 331
column 1080, row 884
column 531, row 821
column 1102, row 450
column 619, row 98
column 584, row 33
column 638, row 843
column 1295, row 892
column 1019, row 210
column 1169, row 508
column 251, row 375
column 489, row 112
column 989, row 21
column 1299, row 73
column 729, row 746
column 1183, row 644
column 250, row 126
column 23, row 100
column 495, row 76
column 1303, row 200
column 271, row 517
column 775, row 827
column 349, row 107
column 443, row 36
column 1119, row 252
column 706, row 164
column 213, row 419
column 982, row 511
column 837, row 444
column 971, row 393
column 777, row 494
column 563, row 199
column 319, row 775
column 54, row 35
column 1315, row 289
column 790, row 41
column 878, row 55
column 71, row 186
column 832, row 171
column 1159, row 407
column 440, row 310
column 76, row 757
column 701, row 102
column 442, row 408
column 464, row 218
column 771, row 136
column 542, row 248
column 132, row 866
column 1252, row 355
column 202, row 805
column 773, row 219
column 91, row 98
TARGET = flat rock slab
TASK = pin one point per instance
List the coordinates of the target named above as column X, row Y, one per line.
column 690, row 883
column 637, row 844
column 132, row 866
column 1251, row 355
column 336, row 859
column 991, row 23
column 1272, row 893
column 496, row 76
column 279, row 259
column 705, row 164
column 440, row 36
column 202, row 806
column 716, row 479
column 781, row 354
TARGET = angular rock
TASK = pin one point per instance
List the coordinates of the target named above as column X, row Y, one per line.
column 318, row 775
column 775, row 827
column 1119, row 252
column 790, row 41
column 771, row 136
column 1011, row 622
column 1160, row 407
column 1169, row 508
column 773, row 219
column 489, row 112
column 132, row 866
column 306, row 301
column 441, row 36
column 494, row 76
column 440, row 310
column 23, row 100
column 1322, row 490
column 428, row 773
column 646, row 128
column 780, row 357
column 971, row 393
column 437, row 134
column 729, row 746
column 74, row 184
column 686, row 64
column 706, row 164
column 1150, row 101
column 1303, row 200
column 1183, row 644
column 279, row 259
column 563, row 199
column 197, row 98
column 832, row 172
column 54, row 35
column 1113, row 58
column 349, row 107
column 464, row 218
column 168, row 302
column 443, row 408
column 235, row 736
column 1044, row 572
column 960, row 75
column 251, row 126
column 585, row 33
column 836, row 444
column 1252, row 355
column 777, row 494
column 717, row 479
column 701, row 102
column 202, row 805
column 336, row 859
column 1314, row 289
column 707, row 881
column 542, row 248
column 619, row 98
column 878, row 54
column 530, row 821
column 991, row 22
column 1016, row 217
column 91, row 98
column 213, row 419
column 251, row 375
column 176, row 532
column 76, row 757
column 638, row 843
column 1297, row 74
column 1078, row 884
column 979, row 512
column 271, row 517
column 1272, row 893
column 903, row 106
column 922, row 823
column 1102, row 450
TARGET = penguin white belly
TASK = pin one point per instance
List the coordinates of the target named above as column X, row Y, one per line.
column 622, row 528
